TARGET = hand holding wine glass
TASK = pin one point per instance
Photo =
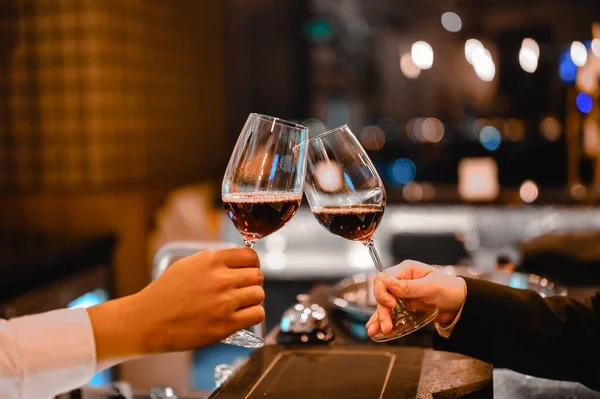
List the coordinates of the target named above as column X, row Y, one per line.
column 417, row 280
column 347, row 197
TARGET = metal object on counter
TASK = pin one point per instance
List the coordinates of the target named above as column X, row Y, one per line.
column 354, row 295
column 354, row 302
column 222, row 373
column 162, row 393
column 305, row 322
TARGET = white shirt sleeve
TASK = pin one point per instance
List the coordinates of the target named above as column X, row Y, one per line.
column 444, row 331
column 46, row 354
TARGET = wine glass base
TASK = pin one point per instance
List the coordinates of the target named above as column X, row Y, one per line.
column 408, row 323
column 245, row 339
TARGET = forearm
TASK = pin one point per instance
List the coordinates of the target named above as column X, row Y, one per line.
column 118, row 330
column 554, row 338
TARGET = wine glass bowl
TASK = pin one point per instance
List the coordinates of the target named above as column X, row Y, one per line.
column 347, row 197
column 263, row 184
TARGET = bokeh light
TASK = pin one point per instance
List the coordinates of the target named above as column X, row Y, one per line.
column 596, row 47
column 432, row 130
column 470, row 46
column 590, row 138
column 578, row 192
column 578, row 53
column 567, row 70
column 478, row 179
column 408, row 67
column 483, row 64
column 514, row 129
column 318, row 30
column 428, row 191
column 422, row 54
column 275, row 243
column 357, row 259
column 402, row 171
column 329, row 176
column 451, row 21
column 412, row 192
column 414, row 129
column 587, row 78
column 550, row 128
column 372, row 138
column 584, row 102
column 490, row 138
column 528, row 59
column 528, row 191
column 531, row 44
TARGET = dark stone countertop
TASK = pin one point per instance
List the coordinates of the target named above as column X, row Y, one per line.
column 414, row 373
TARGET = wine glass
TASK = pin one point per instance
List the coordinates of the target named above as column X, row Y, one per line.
column 347, row 197
column 264, row 181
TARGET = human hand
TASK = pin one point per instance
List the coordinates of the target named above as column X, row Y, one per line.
column 199, row 300
column 415, row 280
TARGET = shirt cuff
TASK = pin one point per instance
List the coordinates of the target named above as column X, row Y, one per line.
column 57, row 351
column 444, row 330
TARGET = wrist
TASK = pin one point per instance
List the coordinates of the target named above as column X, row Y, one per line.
column 118, row 332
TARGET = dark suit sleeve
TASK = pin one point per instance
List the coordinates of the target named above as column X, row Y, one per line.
column 556, row 338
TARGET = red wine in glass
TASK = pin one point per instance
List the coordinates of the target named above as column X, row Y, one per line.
column 356, row 222
column 259, row 214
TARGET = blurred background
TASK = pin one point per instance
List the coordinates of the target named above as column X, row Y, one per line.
column 117, row 118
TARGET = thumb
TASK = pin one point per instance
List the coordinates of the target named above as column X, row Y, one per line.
column 418, row 288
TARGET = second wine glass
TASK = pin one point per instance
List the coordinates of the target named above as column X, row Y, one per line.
column 347, row 197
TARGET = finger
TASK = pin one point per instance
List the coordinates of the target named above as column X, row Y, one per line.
column 408, row 288
column 385, row 319
column 238, row 257
column 410, row 270
column 372, row 319
column 374, row 327
column 248, row 317
column 382, row 294
column 246, row 277
column 249, row 296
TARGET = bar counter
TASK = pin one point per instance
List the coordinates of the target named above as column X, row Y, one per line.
column 383, row 372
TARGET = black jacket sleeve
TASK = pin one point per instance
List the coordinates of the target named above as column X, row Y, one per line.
column 556, row 337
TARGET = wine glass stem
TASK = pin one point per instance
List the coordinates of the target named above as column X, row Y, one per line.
column 260, row 329
column 400, row 308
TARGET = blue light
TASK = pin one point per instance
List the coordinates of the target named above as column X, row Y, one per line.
column 87, row 300
column 567, row 70
column 318, row 30
column 274, row 167
column 90, row 299
column 349, row 182
column 584, row 102
column 402, row 171
column 490, row 138
column 359, row 330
